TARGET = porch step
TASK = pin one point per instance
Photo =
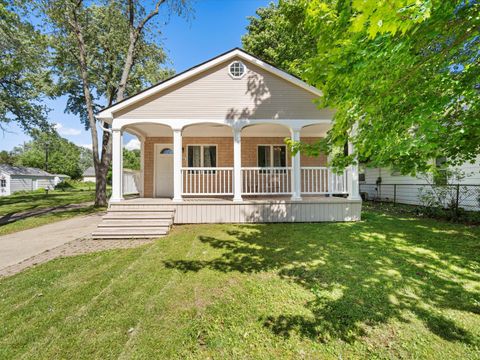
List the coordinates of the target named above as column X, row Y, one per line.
column 138, row 215
column 135, row 222
column 114, row 223
column 140, row 208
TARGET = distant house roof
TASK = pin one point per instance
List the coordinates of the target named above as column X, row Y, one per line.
column 23, row 170
column 89, row 171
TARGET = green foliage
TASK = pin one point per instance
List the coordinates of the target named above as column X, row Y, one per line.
column 7, row 157
column 131, row 159
column 24, row 76
column 106, row 35
column 403, row 77
column 278, row 35
column 63, row 155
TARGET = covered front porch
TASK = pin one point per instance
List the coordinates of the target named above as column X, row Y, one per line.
column 237, row 161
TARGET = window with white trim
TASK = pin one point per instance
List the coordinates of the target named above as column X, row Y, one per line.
column 272, row 156
column 202, row 155
column 236, row 69
column 3, row 183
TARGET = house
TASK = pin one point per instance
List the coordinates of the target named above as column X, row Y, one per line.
column 213, row 151
column 89, row 174
column 21, row 178
column 388, row 185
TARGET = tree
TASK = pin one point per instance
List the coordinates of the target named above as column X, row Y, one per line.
column 7, row 157
column 86, row 158
column 63, row 155
column 102, row 53
column 403, row 77
column 131, row 159
column 24, row 76
column 278, row 35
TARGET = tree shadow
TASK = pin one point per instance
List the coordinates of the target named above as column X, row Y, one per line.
column 360, row 274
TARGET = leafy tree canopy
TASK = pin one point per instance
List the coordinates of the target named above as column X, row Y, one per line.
column 403, row 76
column 279, row 35
column 24, row 75
column 131, row 159
column 63, row 155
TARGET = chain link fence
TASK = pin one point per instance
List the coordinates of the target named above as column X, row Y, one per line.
column 451, row 196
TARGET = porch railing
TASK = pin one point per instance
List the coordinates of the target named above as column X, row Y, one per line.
column 207, row 181
column 266, row 180
column 322, row 180
column 262, row 181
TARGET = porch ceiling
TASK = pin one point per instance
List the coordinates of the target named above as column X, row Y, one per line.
column 213, row 130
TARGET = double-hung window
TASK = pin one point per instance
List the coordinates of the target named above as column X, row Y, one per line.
column 3, row 183
column 272, row 156
column 202, row 156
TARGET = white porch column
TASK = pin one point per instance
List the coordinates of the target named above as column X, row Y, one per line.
column 177, row 165
column 117, row 170
column 237, row 164
column 296, row 169
column 352, row 178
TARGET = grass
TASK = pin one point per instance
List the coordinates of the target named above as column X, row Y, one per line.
column 39, row 203
column 386, row 287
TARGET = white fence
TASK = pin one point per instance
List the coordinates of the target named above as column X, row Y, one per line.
column 207, row 181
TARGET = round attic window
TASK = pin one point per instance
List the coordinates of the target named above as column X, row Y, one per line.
column 236, row 69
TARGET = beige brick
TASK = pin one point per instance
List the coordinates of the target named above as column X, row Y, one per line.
column 224, row 153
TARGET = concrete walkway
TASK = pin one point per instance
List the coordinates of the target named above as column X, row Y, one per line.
column 22, row 245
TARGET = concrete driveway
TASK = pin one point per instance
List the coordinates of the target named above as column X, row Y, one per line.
column 22, row 245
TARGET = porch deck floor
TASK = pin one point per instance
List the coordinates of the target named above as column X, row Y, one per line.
column 246, row 200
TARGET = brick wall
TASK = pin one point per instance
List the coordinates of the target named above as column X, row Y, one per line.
column 224, row 153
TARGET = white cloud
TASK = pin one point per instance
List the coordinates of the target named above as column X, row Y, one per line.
column 62, row 130
column 133, row 144
column 86, row 146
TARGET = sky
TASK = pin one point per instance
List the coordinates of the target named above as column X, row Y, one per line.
column 214, row 26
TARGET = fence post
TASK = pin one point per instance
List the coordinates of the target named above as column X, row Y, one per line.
column 457, row 198
column 394, row 194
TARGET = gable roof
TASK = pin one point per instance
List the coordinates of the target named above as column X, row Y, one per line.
column 106, row 114
column 23, row 170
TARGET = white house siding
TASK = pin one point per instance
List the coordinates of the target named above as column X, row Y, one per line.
column 43, row 183
column 89, row 179
column 30, row 183
column 408, row 187
column 5, row 191
column 20, row 183
column 213, row 94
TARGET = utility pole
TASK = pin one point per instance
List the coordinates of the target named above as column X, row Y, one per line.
column 47, row 144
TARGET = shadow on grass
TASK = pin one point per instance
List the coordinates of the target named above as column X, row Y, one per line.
column 361, row 274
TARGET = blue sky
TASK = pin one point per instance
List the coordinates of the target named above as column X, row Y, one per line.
column 214, row 27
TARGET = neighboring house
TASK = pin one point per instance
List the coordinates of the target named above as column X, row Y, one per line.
column 212, row 147
column 379, row 184
column 21, row 178
column 89, row 175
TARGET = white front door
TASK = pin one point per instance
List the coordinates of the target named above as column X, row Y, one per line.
column 163, row 170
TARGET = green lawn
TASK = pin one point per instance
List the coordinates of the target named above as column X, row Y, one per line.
column 38, row 200
column 386, row 287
